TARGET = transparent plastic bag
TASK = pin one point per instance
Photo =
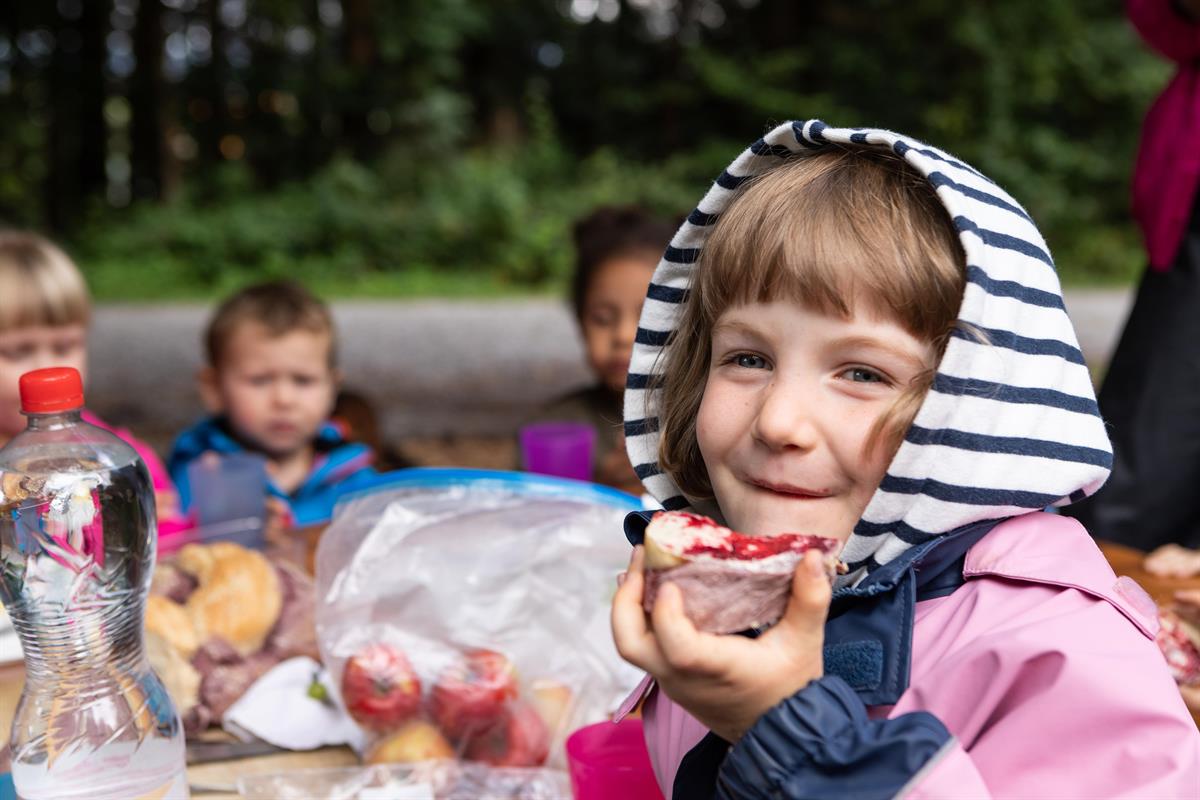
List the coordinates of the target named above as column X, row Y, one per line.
column 440, row 571
column 433, row 780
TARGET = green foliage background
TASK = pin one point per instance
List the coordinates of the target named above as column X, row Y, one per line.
column 508, row 119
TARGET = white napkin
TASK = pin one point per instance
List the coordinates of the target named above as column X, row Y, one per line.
column 10, row 644
column 278, row 709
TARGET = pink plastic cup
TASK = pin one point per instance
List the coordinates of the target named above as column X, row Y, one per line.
column 609, row 761
column 563, row 449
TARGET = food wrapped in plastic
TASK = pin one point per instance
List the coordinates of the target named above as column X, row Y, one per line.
column 467, row 612
column 431, row 780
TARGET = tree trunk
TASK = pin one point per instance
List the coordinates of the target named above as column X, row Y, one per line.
column 314, row 93
column 215, row 125
column 359, row 55
column 93, row 131
column 146, row 96
column 76, row 137
column 62, row 151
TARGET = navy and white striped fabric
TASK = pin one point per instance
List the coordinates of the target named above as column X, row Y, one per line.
column 1009, row 426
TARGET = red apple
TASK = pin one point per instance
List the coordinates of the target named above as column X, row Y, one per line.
column 519, row 739
column 474, row 694
column 380, row 688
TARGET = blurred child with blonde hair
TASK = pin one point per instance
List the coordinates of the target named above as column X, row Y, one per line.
column 45, row 310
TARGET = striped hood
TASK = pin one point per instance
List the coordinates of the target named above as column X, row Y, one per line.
column 1008, row 427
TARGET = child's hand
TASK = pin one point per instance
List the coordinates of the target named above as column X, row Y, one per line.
column 277, row 524
column 726, row 682
column 1173, row 561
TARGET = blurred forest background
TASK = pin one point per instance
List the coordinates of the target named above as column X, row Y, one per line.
column 442, row 147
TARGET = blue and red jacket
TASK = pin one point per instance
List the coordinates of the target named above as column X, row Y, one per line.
column 338, row 467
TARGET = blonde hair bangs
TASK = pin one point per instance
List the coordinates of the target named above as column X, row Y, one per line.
column 39, row 284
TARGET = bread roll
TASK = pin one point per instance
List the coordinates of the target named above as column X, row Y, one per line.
column 180, row 678
column 171, row 622
column 238, row 597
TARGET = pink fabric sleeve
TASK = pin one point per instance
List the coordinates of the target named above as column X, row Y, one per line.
column 951, row 774
column 670, row 733
column 1049, row 692
column 1165, row 29
column 1141, row 771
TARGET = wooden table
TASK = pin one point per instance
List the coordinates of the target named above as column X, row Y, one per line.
column 1128, row 561
column 218, row 779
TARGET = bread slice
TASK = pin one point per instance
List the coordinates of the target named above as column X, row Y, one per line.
column 730, row 581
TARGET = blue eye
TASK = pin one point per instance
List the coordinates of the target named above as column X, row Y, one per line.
column 750, row 361
column 862, row 375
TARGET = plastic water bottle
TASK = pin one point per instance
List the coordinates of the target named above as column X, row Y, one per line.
column 77, row 547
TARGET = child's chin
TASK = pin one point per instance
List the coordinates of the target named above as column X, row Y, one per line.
column 275, row 447
column 794, row 521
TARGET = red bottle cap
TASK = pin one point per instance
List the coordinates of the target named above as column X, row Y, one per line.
column 51, row 390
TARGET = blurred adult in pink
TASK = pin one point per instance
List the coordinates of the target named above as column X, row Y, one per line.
column 1151, row 394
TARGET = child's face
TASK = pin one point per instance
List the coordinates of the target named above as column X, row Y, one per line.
column 25, row 349
column 791, row 400
column 276, row 391
column 610, row 316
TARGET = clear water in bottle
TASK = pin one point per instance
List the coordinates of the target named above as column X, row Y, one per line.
column 77, row 549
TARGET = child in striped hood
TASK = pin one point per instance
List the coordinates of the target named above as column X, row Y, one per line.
column 858, row 336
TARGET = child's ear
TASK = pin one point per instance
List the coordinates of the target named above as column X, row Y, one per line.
column 208, row 382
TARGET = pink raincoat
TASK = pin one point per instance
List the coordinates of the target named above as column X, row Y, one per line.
column 1029, row 665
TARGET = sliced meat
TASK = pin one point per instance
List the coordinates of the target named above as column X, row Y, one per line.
column 295, row 634
column 172, row 582
column 224, row 684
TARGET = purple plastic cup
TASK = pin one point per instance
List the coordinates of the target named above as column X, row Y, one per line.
column 563, row 449
column 229, row 497
column 607, row 761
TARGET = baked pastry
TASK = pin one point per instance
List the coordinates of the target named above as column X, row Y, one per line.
column 238, row 595
column 180, row 678
column 171, row 622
